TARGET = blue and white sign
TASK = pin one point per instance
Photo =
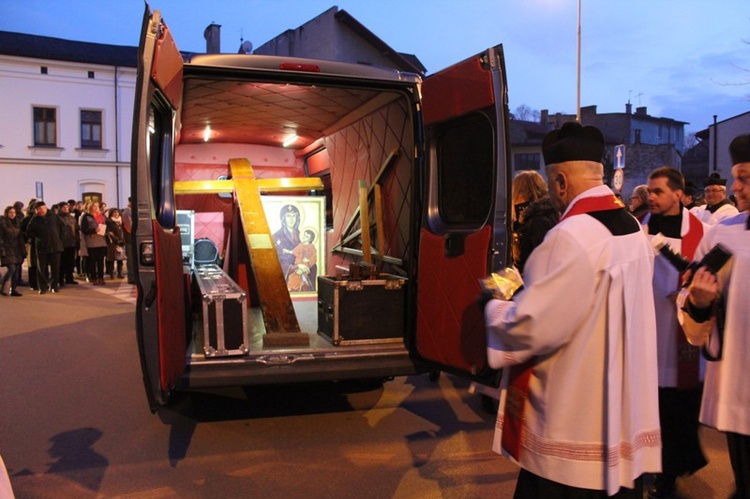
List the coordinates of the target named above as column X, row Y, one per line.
column 620, row 156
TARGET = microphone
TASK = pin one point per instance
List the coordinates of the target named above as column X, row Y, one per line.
column 659, row 242
column 714, row 260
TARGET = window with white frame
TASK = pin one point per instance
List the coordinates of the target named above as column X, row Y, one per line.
column 45, row 126
column 91, row 129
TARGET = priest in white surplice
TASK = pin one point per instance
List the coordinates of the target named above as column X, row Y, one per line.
column 680, row 381
column 717, row 207
column 579, row 407
column 717, row 317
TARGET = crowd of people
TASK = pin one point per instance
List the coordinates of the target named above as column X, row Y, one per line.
column 617, row 347
column 62, row 243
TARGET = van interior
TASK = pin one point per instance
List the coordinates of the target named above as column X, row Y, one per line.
column 356, row 142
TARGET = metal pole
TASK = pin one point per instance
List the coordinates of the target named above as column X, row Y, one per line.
column 716, row 144
column 578, row 61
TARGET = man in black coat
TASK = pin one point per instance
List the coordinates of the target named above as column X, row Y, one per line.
column 69, row 240
column 46, row 231
column 31, row 254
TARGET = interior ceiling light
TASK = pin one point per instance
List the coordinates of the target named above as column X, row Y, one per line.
column 290, row 140
column 207, row 133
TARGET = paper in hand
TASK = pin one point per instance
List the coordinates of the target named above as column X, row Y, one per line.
column 502, row 284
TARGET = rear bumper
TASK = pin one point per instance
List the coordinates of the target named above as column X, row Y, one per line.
column 296, row 367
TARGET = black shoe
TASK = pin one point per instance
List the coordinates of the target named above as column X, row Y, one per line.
column 13, row 292
column 55, row 290
column 71, row 282
column 3, row 293
column 42, row 291
column 34, row 288
column 663, row 486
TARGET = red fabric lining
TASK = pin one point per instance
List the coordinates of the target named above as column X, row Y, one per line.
column 170, row 305
column 450, row 325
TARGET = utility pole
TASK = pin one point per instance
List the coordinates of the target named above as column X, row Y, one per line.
column 578, row 59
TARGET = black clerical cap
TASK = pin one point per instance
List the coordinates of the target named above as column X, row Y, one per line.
column 715, row 179
column 573, row 142
column 690, row 188
column 740, row 149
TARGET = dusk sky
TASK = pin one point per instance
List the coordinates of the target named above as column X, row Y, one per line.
column 684, row 59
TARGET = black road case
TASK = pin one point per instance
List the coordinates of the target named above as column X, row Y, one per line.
column 224, row 305
column 362, row 311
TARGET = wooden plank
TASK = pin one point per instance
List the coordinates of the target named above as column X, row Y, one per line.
column 203, row 186
column 383, row 169
column 265, row 186
column 351, row 237
column 387, row 259
column 380, row 230
column 364, row 220
column 275, row 302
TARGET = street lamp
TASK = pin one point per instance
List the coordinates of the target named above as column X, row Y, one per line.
column 578, row 60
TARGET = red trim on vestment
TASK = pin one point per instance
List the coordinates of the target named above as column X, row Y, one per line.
column 520, row 375
column 688, row 366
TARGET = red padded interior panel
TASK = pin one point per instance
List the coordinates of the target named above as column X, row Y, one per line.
column 450, row 323
column 211, row 225
column 170, row 305
column 456, row 91
column 357, row 153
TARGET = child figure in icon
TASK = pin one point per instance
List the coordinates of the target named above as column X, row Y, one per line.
column 301, row 275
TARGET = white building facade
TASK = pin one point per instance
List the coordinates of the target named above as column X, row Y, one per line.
column 721, row 135
column 67, row 127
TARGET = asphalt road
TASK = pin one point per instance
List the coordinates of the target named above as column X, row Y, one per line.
column 75, row 423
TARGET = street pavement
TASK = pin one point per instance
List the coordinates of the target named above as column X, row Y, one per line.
column 75, row 423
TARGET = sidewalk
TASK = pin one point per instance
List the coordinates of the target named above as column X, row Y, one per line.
column 118, row 288
column 73, row 304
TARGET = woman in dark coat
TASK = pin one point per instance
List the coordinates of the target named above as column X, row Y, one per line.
column 115, row 243
column 533, row 215
column 12, row 251
column 93, row 226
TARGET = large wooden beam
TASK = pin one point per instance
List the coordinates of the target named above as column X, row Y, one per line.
column 279, row 318
column 264, row 185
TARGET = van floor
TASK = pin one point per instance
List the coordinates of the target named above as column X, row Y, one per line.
column 307, row 317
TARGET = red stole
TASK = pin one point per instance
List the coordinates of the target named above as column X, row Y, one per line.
column 688, row 366
column 517, row 393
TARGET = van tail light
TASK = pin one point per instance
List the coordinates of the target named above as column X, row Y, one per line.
column 294, row 66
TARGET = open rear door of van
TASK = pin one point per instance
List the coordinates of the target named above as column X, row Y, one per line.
column 161, row 323
column 464, row 232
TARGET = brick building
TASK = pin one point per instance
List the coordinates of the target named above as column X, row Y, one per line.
column 650, row 142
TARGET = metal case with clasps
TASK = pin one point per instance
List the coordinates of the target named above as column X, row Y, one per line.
column 361, row 311
column 224, row 306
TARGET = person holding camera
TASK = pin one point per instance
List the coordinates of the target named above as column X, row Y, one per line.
column 714, row 314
